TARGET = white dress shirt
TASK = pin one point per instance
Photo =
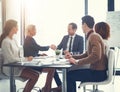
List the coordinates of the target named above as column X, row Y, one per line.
column 69, row 42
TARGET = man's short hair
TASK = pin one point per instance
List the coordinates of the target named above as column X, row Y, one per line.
column 89, row 20
column 74, row 26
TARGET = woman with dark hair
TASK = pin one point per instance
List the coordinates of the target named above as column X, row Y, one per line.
column 103, row 29
column 10, row 52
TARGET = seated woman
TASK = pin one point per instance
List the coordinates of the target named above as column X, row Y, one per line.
column 10, row 51
column 103, row 29
column 31, row 48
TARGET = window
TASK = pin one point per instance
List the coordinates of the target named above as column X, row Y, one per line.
column 0, row 17
column 98, row 9
column 52, row 17
column 117, row 6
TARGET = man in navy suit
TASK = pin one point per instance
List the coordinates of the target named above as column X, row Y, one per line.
column 77, row 40
column 76, row 46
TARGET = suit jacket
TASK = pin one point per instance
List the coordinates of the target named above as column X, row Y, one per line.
column 31, row 48
column 95, row 54
column 78, row 45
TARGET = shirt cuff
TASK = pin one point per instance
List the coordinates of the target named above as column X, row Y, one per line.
column 76, row 62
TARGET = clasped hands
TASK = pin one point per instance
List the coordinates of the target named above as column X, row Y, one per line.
column 69, row 56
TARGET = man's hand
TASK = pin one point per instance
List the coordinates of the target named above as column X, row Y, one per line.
column 53, row 47
column 68, row 55
column 72, row 61
column 43, row 54
column 30, row 58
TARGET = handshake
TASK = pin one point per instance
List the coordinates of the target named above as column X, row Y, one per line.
column 53, row 47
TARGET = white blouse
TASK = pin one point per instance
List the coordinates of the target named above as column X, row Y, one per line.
column 10, row 52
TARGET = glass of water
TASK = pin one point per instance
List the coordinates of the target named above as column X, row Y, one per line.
column 57, row 53
column 76, row 53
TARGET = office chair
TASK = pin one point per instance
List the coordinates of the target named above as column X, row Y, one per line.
column 111, row 60
column 5, row 77
column 117, row 53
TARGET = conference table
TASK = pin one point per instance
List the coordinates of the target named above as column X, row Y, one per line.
column 42, row 62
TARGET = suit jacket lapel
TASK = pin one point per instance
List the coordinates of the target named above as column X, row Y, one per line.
column 65, row 42
column 74, row 42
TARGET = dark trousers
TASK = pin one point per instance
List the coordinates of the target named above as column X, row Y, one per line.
column 83, row 75
column 57, row 78
column 37, row 69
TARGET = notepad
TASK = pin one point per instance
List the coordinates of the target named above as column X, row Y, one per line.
column 62, row 61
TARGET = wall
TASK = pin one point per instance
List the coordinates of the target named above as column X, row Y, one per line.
column 113, row 19
column 52, row 17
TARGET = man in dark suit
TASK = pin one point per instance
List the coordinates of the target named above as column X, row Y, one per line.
column 72, row 43
column 77, row 40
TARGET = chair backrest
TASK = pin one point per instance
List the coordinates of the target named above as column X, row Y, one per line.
column 1, row 61
column 2, row 76
column 117, row 52
column 111, row 61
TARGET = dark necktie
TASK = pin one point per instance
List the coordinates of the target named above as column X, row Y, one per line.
column 70, row 44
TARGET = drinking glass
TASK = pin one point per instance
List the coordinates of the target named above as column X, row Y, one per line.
column 57, row 53
column 76, row 53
